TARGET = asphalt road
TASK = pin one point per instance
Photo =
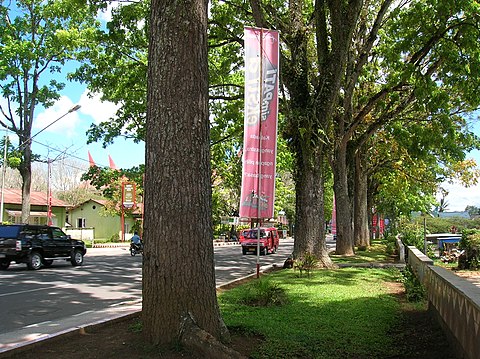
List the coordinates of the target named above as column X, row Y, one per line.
column 38, row 303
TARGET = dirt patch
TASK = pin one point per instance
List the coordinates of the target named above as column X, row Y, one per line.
column 420, row 336
column 119, row 339
column 471, row 276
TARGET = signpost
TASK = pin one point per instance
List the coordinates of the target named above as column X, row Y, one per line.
column 128, row 202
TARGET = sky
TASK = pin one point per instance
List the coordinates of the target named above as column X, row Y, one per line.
column 460, row 197
column 69, row 132
column 55, row 130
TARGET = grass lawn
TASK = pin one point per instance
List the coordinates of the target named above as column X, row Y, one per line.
column 331, row 314
column 375, row 253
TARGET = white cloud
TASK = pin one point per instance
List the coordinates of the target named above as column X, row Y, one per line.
column 95, row 108
column 57, row 118
column 460, row 197
column 106, row 15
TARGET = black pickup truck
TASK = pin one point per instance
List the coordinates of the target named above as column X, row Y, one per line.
column 38, row 246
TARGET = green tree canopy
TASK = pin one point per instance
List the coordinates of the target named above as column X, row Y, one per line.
column 37, row 39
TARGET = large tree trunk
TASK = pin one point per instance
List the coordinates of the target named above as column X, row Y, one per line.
column 178, row 265
column 360, row 213
column 310, row 216
column 26, row 173
column 343, row 205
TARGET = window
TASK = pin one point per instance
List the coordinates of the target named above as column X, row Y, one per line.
column 9, row 232
column 81, row 222
column 43, row 234
column 57, row 234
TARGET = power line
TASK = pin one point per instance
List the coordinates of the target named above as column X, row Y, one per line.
column 68, row 154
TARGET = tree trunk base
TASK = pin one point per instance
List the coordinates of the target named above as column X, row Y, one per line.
column 204, row 344
column 327, row 264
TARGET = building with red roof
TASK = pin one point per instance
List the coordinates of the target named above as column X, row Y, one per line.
column 12, row 208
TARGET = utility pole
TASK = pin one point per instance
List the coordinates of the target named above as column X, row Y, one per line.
column 4, row 168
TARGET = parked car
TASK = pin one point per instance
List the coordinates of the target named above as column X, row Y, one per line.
column 268, row 241
column 38, row 246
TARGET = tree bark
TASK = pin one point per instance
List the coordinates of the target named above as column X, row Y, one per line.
column 309, row 223
column 343, row 205
column 26, row 173
column 178, row 265
column 360, row 213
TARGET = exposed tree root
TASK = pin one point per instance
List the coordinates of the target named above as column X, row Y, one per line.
column 203, row 344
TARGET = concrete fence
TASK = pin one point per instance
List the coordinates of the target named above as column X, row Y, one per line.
column 81, row 233
column 453, row 300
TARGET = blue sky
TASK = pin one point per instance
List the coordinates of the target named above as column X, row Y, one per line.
column 69, row 133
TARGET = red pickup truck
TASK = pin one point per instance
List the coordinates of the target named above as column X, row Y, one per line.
column 268, row 242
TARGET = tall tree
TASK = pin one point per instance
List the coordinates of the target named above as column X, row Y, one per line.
column 347, row 70
column 178, row 266
column 427, row 75
column 37, row 38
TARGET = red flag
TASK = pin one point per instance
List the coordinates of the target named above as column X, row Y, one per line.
column 111, row 163
column 90, row 160
column 260, row 123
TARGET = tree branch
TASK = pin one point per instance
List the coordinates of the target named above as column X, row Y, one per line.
column 365, row 52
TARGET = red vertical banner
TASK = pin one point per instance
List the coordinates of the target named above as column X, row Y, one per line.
column 260, row 123
column 374, row 225
column 49, row 187
column 381, row 225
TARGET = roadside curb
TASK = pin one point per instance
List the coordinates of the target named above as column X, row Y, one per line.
column 241, row 280
column 127, row 245
column 220, row 244
column 7, row 351
column 372, row 265
column 111, row 245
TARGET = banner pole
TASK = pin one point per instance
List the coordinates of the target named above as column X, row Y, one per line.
column 122, row 218
column 259, row 180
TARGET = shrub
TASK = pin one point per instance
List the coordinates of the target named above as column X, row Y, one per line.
column 305, row 263
column 470, row 243
column 114, row 238
column 412, row 234
column 443, row 225
column 390, row 242
column 414, row 290
column 263, row 293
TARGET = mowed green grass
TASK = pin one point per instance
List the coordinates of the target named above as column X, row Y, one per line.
column 375, row 253
column 344, row 313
